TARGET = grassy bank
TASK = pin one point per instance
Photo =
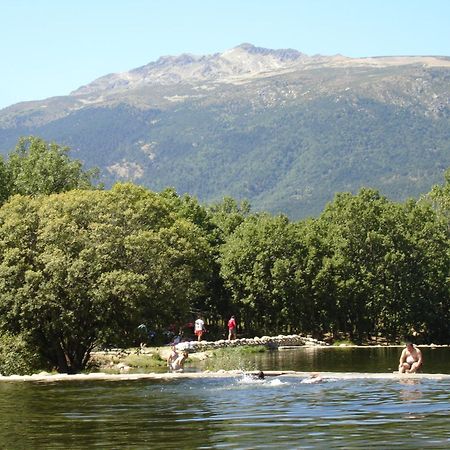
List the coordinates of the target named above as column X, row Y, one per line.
column 154, row 359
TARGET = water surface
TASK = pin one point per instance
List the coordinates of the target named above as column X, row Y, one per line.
column 345, row 359
column 230, row 413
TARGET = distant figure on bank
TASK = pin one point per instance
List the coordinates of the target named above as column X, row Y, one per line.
column 178, row 364
column 232, row 328
column 199, row 328
column 410, row 359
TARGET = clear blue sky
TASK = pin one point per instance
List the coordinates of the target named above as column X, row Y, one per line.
column 51, row 47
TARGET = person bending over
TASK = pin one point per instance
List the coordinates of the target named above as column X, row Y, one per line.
column 410, row 359
column 173, row 355
column 178, row 364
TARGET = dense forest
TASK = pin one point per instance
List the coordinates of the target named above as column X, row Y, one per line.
column 83, row 267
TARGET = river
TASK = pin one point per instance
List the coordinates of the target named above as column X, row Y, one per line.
column 239, row 412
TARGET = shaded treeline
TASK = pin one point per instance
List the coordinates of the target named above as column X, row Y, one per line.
column 82, row 267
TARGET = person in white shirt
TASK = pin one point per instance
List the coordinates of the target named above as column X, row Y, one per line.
column 199, row 328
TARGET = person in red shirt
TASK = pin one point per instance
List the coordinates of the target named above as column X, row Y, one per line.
column 231, row 328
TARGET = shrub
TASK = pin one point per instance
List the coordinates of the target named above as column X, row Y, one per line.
column 16, row 357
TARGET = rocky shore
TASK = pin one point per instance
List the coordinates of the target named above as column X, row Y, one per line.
column 197, row 349
column 268, row 341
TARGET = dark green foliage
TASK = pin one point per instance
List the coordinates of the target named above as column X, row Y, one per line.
column 36, row 167
column 5, row 182
column 80, row 267
column 17, row 356
column 263, row 264
column 380, row 256
column 366, row 267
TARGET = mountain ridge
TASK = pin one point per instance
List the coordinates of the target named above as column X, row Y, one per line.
column 278, row 127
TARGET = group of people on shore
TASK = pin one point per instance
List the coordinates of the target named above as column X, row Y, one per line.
column 199, row 328
column 175, row 360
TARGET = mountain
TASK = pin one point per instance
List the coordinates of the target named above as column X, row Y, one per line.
column 280, row 128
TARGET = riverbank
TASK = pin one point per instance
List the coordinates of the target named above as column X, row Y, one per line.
column 151, row 358
column 222, row 355
column 125, row 360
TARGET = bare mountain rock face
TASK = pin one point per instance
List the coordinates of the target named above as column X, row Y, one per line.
column 280, row 128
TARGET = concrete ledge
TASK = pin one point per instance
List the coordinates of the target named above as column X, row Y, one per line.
column 44, row 377
column 292, row 340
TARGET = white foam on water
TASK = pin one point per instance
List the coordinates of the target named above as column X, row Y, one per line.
column 249, row 379
column 252, row 379
column 312, row 380
column 277, row 382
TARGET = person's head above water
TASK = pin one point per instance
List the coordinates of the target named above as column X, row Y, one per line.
column 260, row 375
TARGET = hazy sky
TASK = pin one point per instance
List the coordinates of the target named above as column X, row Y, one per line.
column 51, row 47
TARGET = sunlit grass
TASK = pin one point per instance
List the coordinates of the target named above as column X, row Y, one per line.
column 233, row 358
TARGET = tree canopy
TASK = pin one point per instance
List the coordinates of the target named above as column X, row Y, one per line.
column 37, row 167
column 79, row 267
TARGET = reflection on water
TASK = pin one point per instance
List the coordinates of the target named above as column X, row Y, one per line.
column 412, row 392
column 229, row 413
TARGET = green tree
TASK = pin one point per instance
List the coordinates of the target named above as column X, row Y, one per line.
column 440, row 199
column 228, row 214
column 5, row 181
column 81, row 267
column 38, row 167
column 428, row 311
column 365, row 261
column 213, row 304
column 260, row 266
column 384, row 265
column 17, row 357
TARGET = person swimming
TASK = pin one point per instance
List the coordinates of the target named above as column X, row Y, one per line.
column 256, row 376
column 313, row 378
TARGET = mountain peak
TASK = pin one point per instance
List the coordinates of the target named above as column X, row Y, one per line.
column 243, row 60
column 235, row 65
column 245, row 46
column 284, row 54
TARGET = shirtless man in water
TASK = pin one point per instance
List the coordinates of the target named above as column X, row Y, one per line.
column 410, row 359
column 178, row 364
column 173, row 355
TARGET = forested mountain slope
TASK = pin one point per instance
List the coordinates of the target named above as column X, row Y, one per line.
column 277, row 127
